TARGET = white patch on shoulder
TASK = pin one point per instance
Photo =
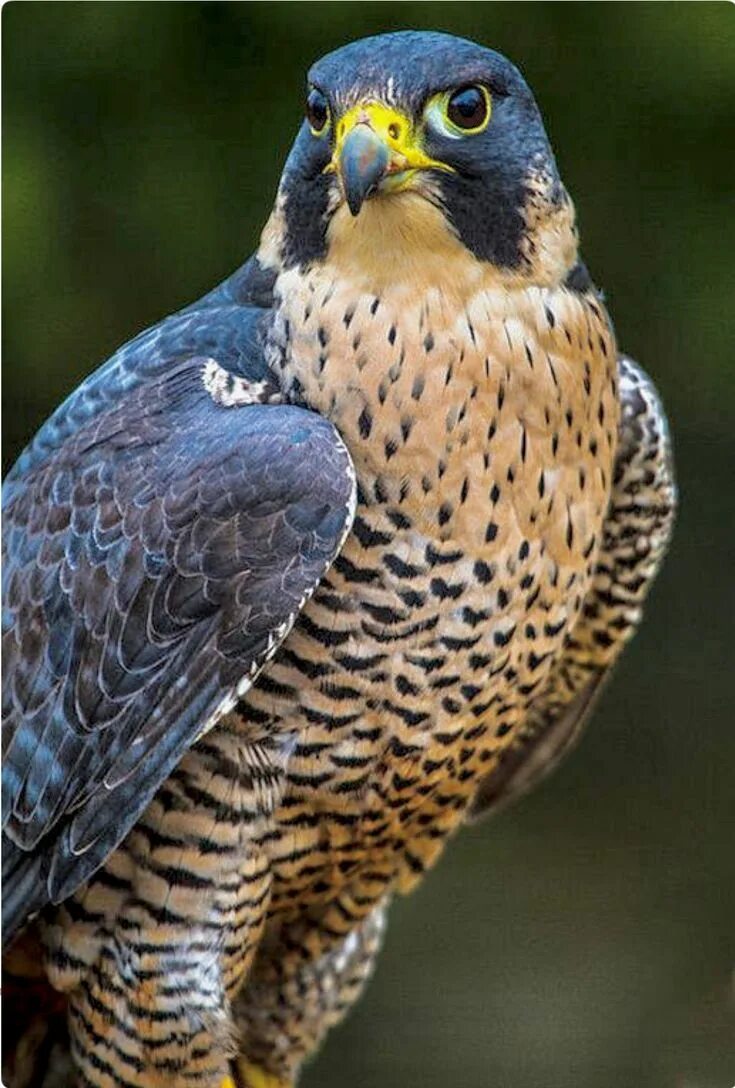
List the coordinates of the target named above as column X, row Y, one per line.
column 231, row 391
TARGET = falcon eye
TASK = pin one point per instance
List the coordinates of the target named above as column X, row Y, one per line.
column 317, row 111
column 468, row 108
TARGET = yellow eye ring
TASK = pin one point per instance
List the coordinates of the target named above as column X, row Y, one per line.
column 464, row 111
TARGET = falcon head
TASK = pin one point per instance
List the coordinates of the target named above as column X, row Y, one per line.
column 420, row 135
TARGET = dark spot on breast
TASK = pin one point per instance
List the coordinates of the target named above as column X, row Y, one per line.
column 405, row 687
column 502, row 638
column 412, row 598
column 491, row 532
column 368, row 537
column 400, row 568
column 444, row 590
column 365, row 422
column 379, row 491
column 436, row 558
column 352, row 573
column 483, row 572
column 470, row 691
column 385, row 614
column 473, row 617
column 451, row 705
column 398, row 519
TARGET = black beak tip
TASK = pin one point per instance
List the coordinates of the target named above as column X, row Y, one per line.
column 354, row 202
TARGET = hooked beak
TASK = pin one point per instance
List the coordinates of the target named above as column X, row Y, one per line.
column 377, row 151
column 363, row 163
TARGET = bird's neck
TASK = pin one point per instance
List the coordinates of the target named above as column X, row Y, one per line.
column 403, row 244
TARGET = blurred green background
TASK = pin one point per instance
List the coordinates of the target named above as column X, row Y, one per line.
column 584, row 939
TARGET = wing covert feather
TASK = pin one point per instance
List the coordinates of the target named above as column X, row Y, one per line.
column 154, row 560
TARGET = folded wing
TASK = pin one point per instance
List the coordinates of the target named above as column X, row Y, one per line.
column 155, row 557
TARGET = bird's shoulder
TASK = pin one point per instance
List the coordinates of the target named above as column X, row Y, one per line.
column 225, row 324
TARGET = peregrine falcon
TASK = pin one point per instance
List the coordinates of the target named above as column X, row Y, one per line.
column 308, row 574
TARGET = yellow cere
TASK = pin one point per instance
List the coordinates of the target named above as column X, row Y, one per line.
column 397, row 132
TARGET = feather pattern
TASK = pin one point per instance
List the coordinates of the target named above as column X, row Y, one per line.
column 155, row 557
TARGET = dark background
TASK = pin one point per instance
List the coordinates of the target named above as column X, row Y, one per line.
column 584, row 939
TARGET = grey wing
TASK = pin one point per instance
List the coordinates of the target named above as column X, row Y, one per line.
column 154, row 559
column 637, row 532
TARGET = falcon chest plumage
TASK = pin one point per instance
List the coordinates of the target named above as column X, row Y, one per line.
column 481, row 415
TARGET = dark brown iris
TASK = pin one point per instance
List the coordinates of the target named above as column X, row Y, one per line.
column 317, row 110
column 468, row 107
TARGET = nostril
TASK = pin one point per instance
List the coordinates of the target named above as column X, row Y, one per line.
column 394, row 131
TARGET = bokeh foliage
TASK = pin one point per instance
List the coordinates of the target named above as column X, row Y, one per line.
column 585, row 939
